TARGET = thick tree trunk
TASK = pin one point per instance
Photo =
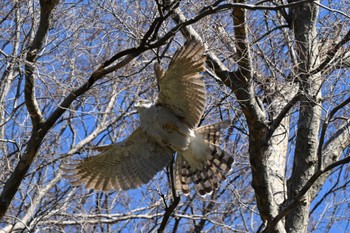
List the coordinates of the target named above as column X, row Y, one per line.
column 268, row 161
column 305, row 155
column 265, row 181
column 267, row 153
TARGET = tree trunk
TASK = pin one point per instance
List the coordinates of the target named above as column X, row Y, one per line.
column 305, row 155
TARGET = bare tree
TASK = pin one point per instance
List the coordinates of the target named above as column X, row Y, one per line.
column 279, row 69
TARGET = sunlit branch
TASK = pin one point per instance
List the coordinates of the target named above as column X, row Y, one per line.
column 324, row 129
column 331, row 54
column 300, row 196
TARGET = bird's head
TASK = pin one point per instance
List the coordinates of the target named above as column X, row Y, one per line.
column 142, row 104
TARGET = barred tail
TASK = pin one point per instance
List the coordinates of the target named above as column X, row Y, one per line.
column 213, row 133
column 216, row 164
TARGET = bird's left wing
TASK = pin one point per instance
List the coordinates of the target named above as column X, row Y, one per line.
column 125, row 165
column 181, row 89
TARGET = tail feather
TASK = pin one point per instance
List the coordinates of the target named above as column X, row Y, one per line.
column 216, row 171
column 212, row 133
column 182, row 175
column 216, row 163
column 220, row 158
column 202, row 182
column 212, row 178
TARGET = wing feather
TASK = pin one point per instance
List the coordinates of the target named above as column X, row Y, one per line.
column 124, row 165
column 181, row 89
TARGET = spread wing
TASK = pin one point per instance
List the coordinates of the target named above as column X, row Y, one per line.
column 181, row 89
column 125, row 165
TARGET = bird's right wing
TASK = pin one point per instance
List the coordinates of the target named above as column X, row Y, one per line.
column 125, row 165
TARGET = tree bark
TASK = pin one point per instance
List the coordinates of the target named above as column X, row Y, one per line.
column 303, row 23
column 267, row 180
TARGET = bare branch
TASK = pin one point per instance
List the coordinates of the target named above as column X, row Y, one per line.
column 300, row 196
column 82, row 78
column 331, row 54
column 36, row 45
column 324, row 129
column 276, row 122
column 333, row 10
column 33, row 145
column 169, row 210
column 241, row 42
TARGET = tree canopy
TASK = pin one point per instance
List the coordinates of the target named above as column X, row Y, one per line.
column 72, row 70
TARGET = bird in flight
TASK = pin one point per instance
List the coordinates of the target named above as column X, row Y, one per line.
column 167, row 126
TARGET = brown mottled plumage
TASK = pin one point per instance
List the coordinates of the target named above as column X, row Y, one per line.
column 167, row 126
column 121, row 166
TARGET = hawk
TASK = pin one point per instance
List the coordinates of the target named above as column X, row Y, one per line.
column 167, row 126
